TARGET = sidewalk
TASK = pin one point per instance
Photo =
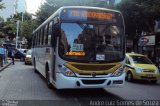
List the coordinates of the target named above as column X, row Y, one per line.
column 5, row 65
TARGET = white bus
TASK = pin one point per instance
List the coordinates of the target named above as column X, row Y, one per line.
column 80, row 47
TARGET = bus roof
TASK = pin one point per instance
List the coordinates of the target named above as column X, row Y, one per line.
column 89, row 7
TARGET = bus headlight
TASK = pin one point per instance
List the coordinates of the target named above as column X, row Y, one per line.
column 65, row 71
column 138, row 70
column 118, row 72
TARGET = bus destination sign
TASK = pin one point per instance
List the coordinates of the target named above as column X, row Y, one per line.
column 81, row 14
column 90, row 14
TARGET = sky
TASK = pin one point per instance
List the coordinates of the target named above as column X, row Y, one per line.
column 33, row 5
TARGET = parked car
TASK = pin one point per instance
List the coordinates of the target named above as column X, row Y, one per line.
column 24, row 51
column 28, row 59
column 18, row 54
column 140, row 67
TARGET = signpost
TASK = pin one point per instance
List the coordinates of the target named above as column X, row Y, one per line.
column 147, row 40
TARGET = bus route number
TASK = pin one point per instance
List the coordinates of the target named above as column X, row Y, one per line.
column 77, row 47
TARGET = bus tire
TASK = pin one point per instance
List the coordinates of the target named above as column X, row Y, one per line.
column 35, row 70
column 129, row 77
column 49, row 85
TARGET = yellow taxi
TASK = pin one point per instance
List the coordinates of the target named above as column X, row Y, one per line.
column 28, row 59
column 140, row 67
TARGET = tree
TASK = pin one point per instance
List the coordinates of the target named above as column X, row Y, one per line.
column 1, row 5
column 139, row 15
column 46, row 9
column 1, row 25
column 1, row 20
column 50, row 6
column 9, row 28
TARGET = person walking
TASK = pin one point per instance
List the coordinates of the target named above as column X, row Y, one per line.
column 1, row 56
column 6, row 55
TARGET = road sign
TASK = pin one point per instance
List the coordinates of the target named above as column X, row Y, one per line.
column 147, row 40
column 144, row 40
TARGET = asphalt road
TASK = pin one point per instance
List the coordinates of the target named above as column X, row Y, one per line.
column 19, row 82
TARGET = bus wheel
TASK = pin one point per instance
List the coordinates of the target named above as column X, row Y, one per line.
column 47, row 78
column 35, row 70
column 129, row 77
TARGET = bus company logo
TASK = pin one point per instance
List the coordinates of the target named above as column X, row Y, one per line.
column 93, row 74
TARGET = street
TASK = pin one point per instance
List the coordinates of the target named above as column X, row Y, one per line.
column 19, row 82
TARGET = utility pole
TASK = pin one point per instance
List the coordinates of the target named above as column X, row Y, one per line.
column 17, row 33
column 22, row 24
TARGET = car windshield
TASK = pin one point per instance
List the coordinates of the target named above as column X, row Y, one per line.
column 91, row 42
column 29, row 52
column 141, row 60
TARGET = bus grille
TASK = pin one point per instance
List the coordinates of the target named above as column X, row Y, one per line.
column 93, row 81
column 93, row 67
column 149, row 71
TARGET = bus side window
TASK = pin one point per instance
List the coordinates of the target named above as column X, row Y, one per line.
column 42, row 35
column 36, row 39
column 50, row 32
column 46, row 35
column 33, row 41
column 39, row 37
column 55, row 34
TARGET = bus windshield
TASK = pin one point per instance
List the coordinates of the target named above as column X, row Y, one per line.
column 91, row 42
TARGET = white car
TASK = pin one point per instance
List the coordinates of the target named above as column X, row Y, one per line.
column 23, row 50
column 28, row 57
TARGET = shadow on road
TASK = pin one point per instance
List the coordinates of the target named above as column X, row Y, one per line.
column 145, row 82
column 86, row 94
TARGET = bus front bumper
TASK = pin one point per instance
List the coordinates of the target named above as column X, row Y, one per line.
column 64, row 82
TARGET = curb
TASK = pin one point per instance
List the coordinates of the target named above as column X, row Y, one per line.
column 5, row 66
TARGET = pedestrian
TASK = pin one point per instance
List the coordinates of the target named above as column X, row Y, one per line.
column 2, row 55
column 6, row 55
column 12, row 54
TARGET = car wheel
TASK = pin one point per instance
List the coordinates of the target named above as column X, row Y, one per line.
column 129, row 77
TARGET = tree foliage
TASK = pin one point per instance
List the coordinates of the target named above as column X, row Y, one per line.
column 140, row 15
column 50, row 6
column 1, row 25
column 1, row 5
column 26, row 25
column 1, row 20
